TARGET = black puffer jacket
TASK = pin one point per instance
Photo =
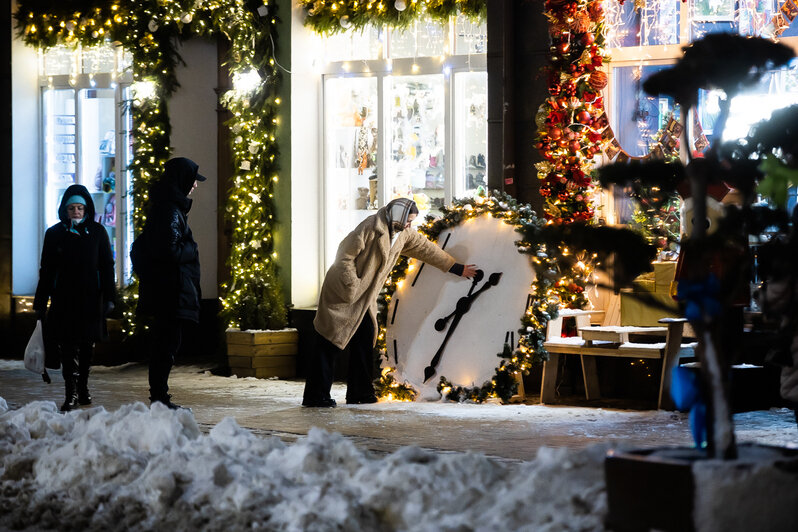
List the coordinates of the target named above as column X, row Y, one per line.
column 76, row 275
column 169, row 281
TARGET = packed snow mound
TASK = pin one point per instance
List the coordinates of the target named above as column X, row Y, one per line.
column 150, row 468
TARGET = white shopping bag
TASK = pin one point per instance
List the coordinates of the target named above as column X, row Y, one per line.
column 34, row 352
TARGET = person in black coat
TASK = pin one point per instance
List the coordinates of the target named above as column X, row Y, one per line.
column 166, row 259
column 77, row 278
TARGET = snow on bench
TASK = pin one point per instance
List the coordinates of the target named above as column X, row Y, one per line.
column 612, row 341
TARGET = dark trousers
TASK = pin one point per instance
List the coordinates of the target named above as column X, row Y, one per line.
column 75, row 366
column 165, row 337
column 321, row 366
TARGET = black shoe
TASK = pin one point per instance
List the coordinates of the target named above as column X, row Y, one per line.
column 71, row 403
column 319, row 403
column 84, row 397
column 166, row 401
column 364, row 400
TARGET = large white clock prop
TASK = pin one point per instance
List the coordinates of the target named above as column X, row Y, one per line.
column 442, row 325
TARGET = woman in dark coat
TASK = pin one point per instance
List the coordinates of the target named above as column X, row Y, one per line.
column 77, row 278
column 166, row 260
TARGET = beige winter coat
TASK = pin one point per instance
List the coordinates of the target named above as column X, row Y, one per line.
column 364, row 260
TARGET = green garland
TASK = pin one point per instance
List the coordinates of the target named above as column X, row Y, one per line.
column 150, row 30
column 328, row 17
column 532, row 333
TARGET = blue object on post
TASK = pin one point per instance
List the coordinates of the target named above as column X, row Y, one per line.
column 686, row 394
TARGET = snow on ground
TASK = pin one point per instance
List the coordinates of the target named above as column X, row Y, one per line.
column 140, row 468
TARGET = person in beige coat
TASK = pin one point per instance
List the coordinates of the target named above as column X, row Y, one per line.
column 347, row 313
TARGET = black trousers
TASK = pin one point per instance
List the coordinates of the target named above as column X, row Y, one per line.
column 360, row 375
column 165, row 337
column 75, row 365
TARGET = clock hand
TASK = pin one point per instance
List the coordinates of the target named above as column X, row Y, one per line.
column 493, row 280
column 440, row 324
column 429, row 371
column 463, row 306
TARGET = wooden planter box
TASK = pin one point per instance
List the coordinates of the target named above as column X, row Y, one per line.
column 262, row 354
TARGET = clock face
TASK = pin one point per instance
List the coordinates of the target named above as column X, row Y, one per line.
column 439, row 324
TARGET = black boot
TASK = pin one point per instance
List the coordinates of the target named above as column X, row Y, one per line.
column 84, row 397
column 167, row 401
column 71, row 401
column 69, row 369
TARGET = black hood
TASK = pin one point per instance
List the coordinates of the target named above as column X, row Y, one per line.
column 76, row 190
column 181, row 173
column 174, row 185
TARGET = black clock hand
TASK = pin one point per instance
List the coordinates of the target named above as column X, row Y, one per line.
column 493, row 280
column 429, row 371
column 463, row 306
column 440, row 324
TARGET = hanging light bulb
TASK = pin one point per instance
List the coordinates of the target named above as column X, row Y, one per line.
column 400, row 5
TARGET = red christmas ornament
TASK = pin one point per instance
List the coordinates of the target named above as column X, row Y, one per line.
column 575, row 146
column 583, row 117
column 596, row 10
column 598, row 79
column 588, row 38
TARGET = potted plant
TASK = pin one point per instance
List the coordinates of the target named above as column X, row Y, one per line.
column 261, row 346
column 670, row 489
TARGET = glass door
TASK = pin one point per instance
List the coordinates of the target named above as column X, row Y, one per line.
column 97, row 121
column 351, row 129
column 60, row 155
column 85, row 129
column 471, row 140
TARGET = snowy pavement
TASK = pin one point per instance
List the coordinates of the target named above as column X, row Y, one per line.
column 505, row 432
column 248, row 457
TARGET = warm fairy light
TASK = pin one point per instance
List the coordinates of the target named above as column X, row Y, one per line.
column 247, row 81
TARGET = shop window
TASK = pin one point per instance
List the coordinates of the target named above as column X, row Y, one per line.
column 421, row 39
column 404, row 116
column 418, row 138
column 636, row 117
column 776, row 89
column 354, row 45
column 639, row 39
column 656, row 22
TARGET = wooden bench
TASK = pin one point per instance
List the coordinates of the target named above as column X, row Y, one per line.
column 612, row 341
